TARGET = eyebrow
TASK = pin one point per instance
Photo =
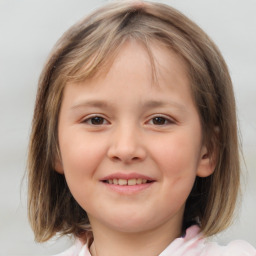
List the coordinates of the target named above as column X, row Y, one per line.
column 155, row 103
column 91, row 103
column 145, row 105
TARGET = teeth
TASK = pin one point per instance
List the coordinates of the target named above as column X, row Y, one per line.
column 130, row 182
column 139, row 181
column 122, row 182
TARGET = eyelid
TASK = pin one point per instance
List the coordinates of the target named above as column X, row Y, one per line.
column 90, row 117
column 169, row 119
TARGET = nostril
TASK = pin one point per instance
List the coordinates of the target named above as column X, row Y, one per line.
column 116, row 158
column 133, row 159
column 126, row 153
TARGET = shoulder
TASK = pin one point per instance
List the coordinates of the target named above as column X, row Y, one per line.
column 76, row 250
column 194, row 244
column 206, row 248
column 234, row 248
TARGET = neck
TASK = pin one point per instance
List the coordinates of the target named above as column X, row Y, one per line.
column 148, row 243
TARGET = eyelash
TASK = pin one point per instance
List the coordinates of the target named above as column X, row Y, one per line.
column 89, row 120
column 99, row 120
column 167, row 120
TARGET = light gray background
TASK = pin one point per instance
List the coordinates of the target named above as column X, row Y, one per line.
column 28, row 30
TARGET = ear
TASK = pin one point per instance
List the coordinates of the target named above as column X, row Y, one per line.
column 207, row 163
column 58, row 166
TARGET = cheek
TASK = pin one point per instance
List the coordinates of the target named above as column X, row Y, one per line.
column 178, row 164
column 177, row 159
column 178, row 156
column 81, row 156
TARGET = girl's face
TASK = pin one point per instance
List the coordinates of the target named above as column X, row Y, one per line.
column 131, row 149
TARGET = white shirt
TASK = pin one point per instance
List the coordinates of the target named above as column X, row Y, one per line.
column 193, row 244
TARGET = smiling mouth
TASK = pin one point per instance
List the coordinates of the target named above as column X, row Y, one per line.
column 127, row 182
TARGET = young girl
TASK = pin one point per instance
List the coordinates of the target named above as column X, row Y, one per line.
column 134, row 147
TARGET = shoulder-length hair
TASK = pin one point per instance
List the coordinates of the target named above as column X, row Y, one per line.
column 79, row 54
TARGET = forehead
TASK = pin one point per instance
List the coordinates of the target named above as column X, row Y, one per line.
column 137, row 73
column 154, row 59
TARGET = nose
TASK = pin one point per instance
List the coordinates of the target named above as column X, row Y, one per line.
column 126, row 145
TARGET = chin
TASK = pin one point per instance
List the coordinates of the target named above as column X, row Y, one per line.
column 130, row 224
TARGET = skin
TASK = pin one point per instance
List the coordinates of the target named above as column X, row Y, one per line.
column 119, row 122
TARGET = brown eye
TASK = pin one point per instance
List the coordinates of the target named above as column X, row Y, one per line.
column 96, row 120
column 159, row 120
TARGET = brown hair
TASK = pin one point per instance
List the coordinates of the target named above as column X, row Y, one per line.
column 79, row 54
